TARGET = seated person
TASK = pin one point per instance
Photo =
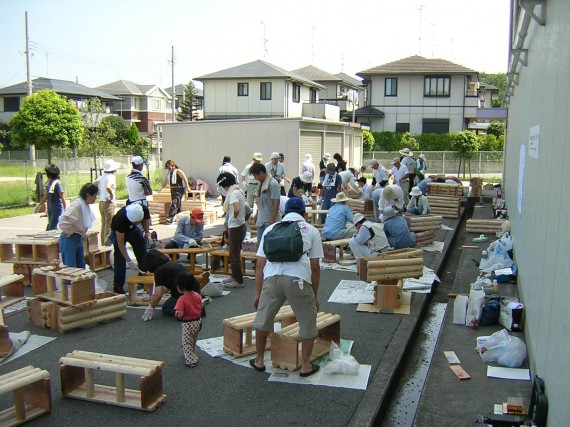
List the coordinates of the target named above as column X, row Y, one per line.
column 370, row 240
column 305, row 182
column 308, row 200
column 397, row 231
column 189, row 231
column 365, row 189
column 198, row 184
column 418, row 204
column 339, row 214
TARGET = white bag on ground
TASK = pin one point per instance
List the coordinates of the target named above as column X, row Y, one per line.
column 474, row 307
column 213, row 289
column 341, row 363
column 498, row 256
column 460, row 309
column 502, row 348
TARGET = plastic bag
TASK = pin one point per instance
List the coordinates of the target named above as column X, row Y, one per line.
column 498, row 255
column 474, row 307
column 213, row 289
column 341, row 363
column 502, row 348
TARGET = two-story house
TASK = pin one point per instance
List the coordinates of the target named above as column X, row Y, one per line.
column 144, row 105
column 339, row 90
column 11, row 96
column 420, row 95
column 197, row 104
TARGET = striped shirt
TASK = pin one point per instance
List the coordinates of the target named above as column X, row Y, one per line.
column 138, row 186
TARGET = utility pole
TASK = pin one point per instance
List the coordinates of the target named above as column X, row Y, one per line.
column 264, row 41
column 420, row 38
column 173, row 88
column 29, row 87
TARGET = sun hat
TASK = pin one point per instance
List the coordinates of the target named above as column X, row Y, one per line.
column 306, row 177
column 309, row 156
column 331, row 168
column 258, row 157
column 340, row 197
column 395, row 160
column 137, row 160
column 198, row 216
column 416, row 191
column 422, row 156
column 389, row 212
column 406, row 152
column 274, row 155
column 327, row 156
column 358, row 218
column 135, row 212
column 110, row 166
column 373, row 162
column 295, row 204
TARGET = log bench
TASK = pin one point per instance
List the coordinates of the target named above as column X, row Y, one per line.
column 485, row 226
column 220, row 261
column 330, row 247
column 238, row 333
column 191, row 252
column 398, row 264
column 286, row 343
column 11, row 292
column 32, row 395
column 244, row 256
column 77, row 379
column 46, row 280
column 418, row 223
column 147, row 281
column 29, row 250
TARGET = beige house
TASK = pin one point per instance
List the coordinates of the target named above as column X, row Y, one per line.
column 420, row 95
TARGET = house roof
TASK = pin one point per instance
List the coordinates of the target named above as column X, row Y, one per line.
column 258, row 70
column 316, row 74
column 368, row 111
column 350, row 80
column 489, row 87
column 418, row 65
column 180, row 90
column 62, row 87
column 126, row 87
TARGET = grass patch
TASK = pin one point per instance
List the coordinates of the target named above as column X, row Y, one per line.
column 12, row 212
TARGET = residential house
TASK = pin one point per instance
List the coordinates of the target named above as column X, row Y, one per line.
column 420, row 95
column 197, row 104
column 341, row 89
column 11, row 96
column 144, row 105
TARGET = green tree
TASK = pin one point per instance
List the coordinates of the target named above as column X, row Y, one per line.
column 367, row 141
column 97, row 140
column 496, row 128
column 133, row 135
column 499, row 81
column 387, row 141
column 119, row 127
column 5, row 135
column 408, row 141
column 488, row 142
column 142, row 148
column 465, row 144
column 188, row 103
column 47, row 120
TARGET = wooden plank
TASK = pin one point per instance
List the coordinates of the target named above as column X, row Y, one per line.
column 451, row 357
column 460, row 372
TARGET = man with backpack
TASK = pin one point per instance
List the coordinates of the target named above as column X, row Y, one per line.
column 288, row 269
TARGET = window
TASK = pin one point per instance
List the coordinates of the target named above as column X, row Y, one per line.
column 439, row 126
column 265, row 90
column 296, row 93
column 157, row 104
column 243, row 89
column 391, row 87
column 313, row 96
column 436, row 86
column 11, row 104
column 136, row 103
column 402, row 127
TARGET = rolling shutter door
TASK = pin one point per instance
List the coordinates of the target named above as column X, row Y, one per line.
column 357, row 156
column 333, row 143
column 311, row 143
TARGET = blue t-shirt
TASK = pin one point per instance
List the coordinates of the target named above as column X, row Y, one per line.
column 338, row 216
column 398, row 233
column 53, row 191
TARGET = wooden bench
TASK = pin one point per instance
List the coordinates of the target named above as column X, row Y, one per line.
column 238, row 333
column 484, row 226
column 220, row 261
column 286, row 343
column 45, row 281
column 398, row 264
column 330, row 247
column 32, row 395
column 314, row 215
column 77, row 380
column 244, row 256
column 147, row 281
column 191, row 252
column 419, row 223
column 11, row 292
column 29, row 250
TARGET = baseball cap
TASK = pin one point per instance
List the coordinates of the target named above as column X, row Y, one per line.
column 358, row 218
column 198, row 216
column 135, row 212
column 137, row 160
column 258, row 157
column 275, row 155
column 295, row 204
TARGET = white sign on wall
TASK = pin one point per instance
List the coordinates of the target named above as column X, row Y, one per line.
column 521, row 178
column 533, row 141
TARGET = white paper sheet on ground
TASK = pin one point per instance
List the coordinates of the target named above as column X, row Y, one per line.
column 358, row 381
column 353, row 292
column 337, row 266
column 423, row 284
column 34, row 342
column 16, row 308
column 434, row 247
column 508, row 373
column 445, row 227
column 504, row 271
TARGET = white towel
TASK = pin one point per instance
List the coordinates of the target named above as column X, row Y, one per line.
column 86, row 213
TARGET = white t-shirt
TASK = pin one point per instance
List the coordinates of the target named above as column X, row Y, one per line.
column 399, row 174
column 236, row 196
column 312, row 248
column 107, row 180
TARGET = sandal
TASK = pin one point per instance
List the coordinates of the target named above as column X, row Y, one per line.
column 308, row 374
column 254, row 366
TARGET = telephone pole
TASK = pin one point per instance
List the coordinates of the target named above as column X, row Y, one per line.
column 173, row 88
column 29, row 87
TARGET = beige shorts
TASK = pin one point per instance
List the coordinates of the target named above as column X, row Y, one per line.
column 275, row 291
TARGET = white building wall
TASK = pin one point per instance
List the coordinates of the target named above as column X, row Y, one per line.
column 541, row 229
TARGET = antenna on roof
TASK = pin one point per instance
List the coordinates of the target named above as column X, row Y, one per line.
column 264, row 42
column 313, row 46
column 342, row 63
column 420, row 38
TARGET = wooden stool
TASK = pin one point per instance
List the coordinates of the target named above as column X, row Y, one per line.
column 238, row 336
column 82, row 284
column 330, row 247
column 133, row 282
column 77, row 381
column 387, row 295
column 191, row 252
column 286, row 344
column 245, row 256
column 11, row 292
column 32, row 395
column 220, row 256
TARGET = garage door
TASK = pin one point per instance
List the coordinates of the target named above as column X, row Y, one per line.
column 357, row 156
column 333, row 143
column 310, row 143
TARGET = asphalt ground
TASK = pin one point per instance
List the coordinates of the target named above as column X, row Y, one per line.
column 217, row 392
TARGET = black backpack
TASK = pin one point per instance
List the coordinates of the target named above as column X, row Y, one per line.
column 284, row 242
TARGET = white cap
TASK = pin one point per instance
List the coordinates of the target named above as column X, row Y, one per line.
column 306, row 177
column 135, row 212
column 137, row 160
column 327, row 156
column 357, row 218
column 110, row 166
column 373, row 162
column 275, row 155
column 309, row 156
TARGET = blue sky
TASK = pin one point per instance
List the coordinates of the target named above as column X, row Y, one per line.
column 97, row 42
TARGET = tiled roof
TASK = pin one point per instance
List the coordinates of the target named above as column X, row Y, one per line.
column 257, row 70
column 368, row 111
column 349, row 79
column 122, row 87
column 180, row 90
column 316, row 74
column 418, row 65
column 62, row 87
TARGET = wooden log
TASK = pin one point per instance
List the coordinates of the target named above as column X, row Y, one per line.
column 103, row 299
column 392, row 276
column 87, row 314
column 118, row 359
column 111, row 367
column 23, row 379
column 90, row 321
column 395, row 263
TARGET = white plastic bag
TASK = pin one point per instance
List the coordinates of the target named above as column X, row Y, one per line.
column 213, row 289
column 498, row 256
column 341, row 363
column 502, row 348
column 474, row 307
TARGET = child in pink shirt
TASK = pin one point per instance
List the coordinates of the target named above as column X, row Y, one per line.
column 189, row 310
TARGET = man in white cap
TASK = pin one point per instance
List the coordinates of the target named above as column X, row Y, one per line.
column 336, row 223
column 391, row 196
column 397, row 231
column 400, row 177
column 308, row 166
column 305, row 182
column 138, row 186
column 107, row 184
column 370, row 240
column 381, row 178
column 418, row 204
column 323, row 166
column 249, row 183
column 408, row 161
column 125, row 229
column 276, row 170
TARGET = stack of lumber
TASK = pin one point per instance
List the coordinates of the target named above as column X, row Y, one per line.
column 189, row 205
column 353, row 194
column 442, row 189
column 484, row 226
column 424, row 222
column 424, row 238
column 163, row 197
column 398, row 264
column 446, row 206
column 158, row 211
column 363, row 206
